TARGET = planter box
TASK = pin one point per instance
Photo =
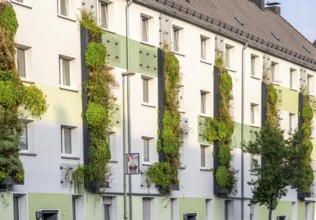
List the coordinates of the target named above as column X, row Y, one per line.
column 6, row 184
column 301, row 195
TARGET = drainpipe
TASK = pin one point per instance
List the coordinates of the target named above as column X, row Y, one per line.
column 128, row 3
column 242, row 125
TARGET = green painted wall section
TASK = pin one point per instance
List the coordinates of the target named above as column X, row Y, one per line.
column 301, row 210
column 92, row 206
column 143, row 59
column 288, row 99
column 284, row 208
column 313, row 104
column 49, row 201
column 6, row 205
column 192, row 205
column 163, row 208
column 68, row 111
column 263, row 213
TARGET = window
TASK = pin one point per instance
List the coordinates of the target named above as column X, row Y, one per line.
column 27, row 137
column 208, row 208
column 148, row 84
column 310, row 83
column 176, row 37
column 228, row 55
column 148, row 209
column 294, row 211
column 146, row 150
column 292, row 78
column 107, row 211
column 274, row 72
column 144, row 29
column 149, row 153
column 104, row 15
column 174, row 209
column 64, row 7
column 68, row 141
column 19, row 206
column 292, row 122
column 112, row 145
column 254, row 114
column 203, row 48
column 229, row 210
column 205, row 102
column 205, row 156
column 254, row 65
column 20, row 53
column 24, row 62
column 66, row 71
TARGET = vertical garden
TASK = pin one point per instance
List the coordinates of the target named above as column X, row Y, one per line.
column 17, row 101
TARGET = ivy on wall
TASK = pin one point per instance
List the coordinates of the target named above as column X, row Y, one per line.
column 222, row 129
column 99, row 111
column 165, row 173
column 14, row 96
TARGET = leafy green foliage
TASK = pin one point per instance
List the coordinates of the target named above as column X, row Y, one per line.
column 272, row 109
column 77, row 177
column 100, row 107
column 13, row 95
column 95, row 55
column 222, row 129
column 8, row 19
column 164, row 174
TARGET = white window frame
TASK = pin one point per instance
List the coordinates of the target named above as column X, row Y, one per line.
column 205, row 157
column 152, row 209
column 104, row 14
column 174, row 209
column 71, row 69
column 254, row 114
column 293, row 78
column 205, row 103
column 22, row 207
column 254, row 66
column 177, row 38
column 152, row 154
column 70, row 10
column 27, row 62
column 148, row 91
column 29, row 125
column 73, row 140
column 229, row 53
column 274, row 71
column 310, row 84
column 203, row 41
column 66, row 11
column 144, row 28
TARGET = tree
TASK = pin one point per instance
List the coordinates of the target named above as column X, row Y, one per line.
column 273, row 173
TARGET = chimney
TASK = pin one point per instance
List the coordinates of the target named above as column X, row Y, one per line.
column 275, row 9
column 314, row 43
column 259, row 3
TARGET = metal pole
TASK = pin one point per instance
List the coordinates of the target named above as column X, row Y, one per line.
column 124, row 149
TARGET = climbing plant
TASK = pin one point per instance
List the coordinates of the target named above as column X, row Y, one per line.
column 300, row 155
column 222, row 129
column 165, row 173
column 14, row 96
column 100, row 108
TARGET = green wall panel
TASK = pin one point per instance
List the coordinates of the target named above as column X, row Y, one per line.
column 202, row 129
column 285, row 209
column 192, row 205
column 6, row 205
column 301, row 210
column 219, row 208
column 143, row 58
column 47, row 201
column 249, row 134
column 92, row 206
column 288, row 99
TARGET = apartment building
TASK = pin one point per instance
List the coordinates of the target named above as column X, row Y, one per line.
column 50, row 46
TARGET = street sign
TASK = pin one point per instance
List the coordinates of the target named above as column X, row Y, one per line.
column 132, row 163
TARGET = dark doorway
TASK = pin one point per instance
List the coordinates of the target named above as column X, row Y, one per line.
column 50, row 215
column 190, row 216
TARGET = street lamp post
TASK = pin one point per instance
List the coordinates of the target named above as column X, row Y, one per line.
column 127, row 74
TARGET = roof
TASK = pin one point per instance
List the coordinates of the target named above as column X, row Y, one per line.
column 243, row 21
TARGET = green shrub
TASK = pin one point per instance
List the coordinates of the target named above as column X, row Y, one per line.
column 95, row 55
column 225, row 177
column 8, row 19
column 95, row 114
column 224, row 156
column 34, row 100
column 160, row 173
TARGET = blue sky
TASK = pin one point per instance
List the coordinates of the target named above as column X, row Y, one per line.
column 301, row 14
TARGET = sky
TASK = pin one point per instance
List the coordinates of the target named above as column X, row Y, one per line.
column 301, row 14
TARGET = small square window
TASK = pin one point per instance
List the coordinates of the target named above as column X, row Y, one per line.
column 67, row 140
column 64, row 7
column 27, row 136
column 23, row 62
column 310, row 84
column 24, row 143
column 20, row 54
column 274, row 72
column 146, row 150
column 104, row 15
column 205, row 156
column 145, row 90
column 254, row 65
column 144, row 29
